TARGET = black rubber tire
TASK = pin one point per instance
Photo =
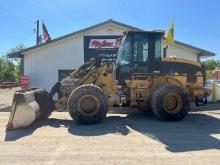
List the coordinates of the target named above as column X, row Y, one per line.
column 45, row 102
column 75, row 106
column 158, row 107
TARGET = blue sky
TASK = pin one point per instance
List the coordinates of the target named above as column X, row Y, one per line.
column 197, row 22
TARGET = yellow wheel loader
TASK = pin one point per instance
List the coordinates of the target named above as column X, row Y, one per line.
column 140, row 78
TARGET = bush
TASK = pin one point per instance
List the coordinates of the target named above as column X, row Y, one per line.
column 9, row 71
column 210, row 65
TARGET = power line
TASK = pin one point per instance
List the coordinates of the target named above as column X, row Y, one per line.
column 17, row 14
column 53, row 7
column 3, row 9
column 14, row 38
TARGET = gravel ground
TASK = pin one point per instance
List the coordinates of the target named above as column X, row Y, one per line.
column 133, row 138
column 6, row 96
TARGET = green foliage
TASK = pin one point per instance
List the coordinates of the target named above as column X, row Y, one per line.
column 210, row 65
column 9, row 69
column 209, row 74
column 16, row 49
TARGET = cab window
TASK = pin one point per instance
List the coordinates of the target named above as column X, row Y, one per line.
column 140, row 48
column 157, row 48
column 124, row 53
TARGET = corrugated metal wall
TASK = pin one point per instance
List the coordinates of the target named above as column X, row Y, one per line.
column 182, row 52
column 42, row 64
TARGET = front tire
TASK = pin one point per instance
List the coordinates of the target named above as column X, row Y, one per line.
column 170, row 103
column 87, row 104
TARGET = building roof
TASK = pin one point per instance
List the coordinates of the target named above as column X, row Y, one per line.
column 203, row 52
column 20, row 55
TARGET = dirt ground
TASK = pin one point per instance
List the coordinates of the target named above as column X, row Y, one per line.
column 133, row 138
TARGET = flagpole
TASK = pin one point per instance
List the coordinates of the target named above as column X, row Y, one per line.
column 37, row 34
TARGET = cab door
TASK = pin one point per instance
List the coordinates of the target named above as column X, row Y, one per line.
column 140, row 53
column 146, row 52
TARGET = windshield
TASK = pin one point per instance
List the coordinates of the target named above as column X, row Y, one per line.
column 124, row 54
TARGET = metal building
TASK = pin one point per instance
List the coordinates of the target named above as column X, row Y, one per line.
column 46, row 63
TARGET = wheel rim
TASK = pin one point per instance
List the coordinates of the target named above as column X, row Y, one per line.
column 88, row 105
column 172, row 103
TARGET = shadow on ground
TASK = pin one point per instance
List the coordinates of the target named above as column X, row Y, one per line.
column 5, row 109
column 191, row 134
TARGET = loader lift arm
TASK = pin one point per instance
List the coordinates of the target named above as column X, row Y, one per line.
column 92, row 72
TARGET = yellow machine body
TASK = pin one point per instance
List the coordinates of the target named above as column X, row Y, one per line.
column 139, row 78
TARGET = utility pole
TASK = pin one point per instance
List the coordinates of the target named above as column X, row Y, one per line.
column 37, row 33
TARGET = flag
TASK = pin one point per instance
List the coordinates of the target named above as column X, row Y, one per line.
column 170, row 35
column 45, row 33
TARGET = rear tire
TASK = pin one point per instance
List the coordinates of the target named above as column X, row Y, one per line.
column 170, row 103
column 87, row 104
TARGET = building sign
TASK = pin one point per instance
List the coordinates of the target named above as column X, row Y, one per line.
column 105, row 47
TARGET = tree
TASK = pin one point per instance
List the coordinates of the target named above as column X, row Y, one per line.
column 210, row 65
column 9, row 70
column 17, row 48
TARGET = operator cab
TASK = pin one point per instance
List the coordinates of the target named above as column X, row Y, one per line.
column 139, row 53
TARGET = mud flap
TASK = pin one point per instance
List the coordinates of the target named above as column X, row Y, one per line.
column 28, row 106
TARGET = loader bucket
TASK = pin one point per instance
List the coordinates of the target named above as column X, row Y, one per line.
column 28, row 106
